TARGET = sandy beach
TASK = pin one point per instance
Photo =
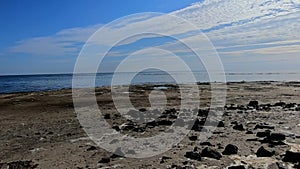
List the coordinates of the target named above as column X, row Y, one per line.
column 259, row 129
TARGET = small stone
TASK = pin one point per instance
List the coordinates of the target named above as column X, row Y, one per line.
column 277, row 137
column 104, row 160
column 239, row 127
column 253, row 104
column 107, row 116
column 290, row 156
column 262, row 134
column 164, row 123
column 264, row 126
column 280, row 104
column 206, row 144
column 208, row 152
column 221, row 124
column 193, row 138
column 230, row 149
column 193, row 155
column 237, row 167
column 91, row 148
column 262, row 152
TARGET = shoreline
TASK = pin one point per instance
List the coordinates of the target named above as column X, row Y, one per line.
column 156, row 84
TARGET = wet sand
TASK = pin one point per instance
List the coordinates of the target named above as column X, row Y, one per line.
column 41, row 130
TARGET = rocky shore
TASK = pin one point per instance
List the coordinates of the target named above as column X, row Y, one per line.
column 259, row 128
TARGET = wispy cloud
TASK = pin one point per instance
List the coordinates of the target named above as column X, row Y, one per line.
column 65, row 42
column 237, row 28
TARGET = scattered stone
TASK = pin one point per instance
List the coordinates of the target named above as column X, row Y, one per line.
column 104, row 160
column 221, row 124
column 292, row 157
column 239, row 127
column 262, row 134
column 237, row 167
column 193, row 155
column 280, row 104
column 230, row 149
column 253, row 104
column 208, row 152
column 277, row 137
column 164, row 123
column 91, row 148
column 164, row 158
column 193, row 138
column 262, row 152
column 264, row 126
column 206, row 144
column 107, row 116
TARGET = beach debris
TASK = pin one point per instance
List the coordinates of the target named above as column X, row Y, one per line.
column 239, row 127
column 237, row 167
column 293, row 157
column 230, row 149
column 104, row 160
column 193, row 155
column 262, row 152
column 211, row 153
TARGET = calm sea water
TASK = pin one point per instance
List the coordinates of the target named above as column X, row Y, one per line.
column 27, row 83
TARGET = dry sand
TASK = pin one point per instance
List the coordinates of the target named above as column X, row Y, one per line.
column 40, row 129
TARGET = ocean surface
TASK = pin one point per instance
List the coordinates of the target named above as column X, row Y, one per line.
column 28, row 83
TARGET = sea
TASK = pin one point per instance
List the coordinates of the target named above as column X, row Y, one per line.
column 48, row 82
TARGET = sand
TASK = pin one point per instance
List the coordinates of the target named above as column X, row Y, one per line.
column 41, row 130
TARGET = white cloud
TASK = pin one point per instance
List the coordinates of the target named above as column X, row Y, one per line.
column 236, row 27
column 65, row 42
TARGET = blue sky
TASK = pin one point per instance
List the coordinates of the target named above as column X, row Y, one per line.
column 46, row 37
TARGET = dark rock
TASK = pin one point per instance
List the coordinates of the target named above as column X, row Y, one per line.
column 277, row 137
column 221, row 124
column 230, row 149
column 202, row 112
column 239, row 127
column 197, row 125
column 164, row 123
column 193, row 138
column 280, row 104
column 164, row 158
column 262, row 134
column 262, row 152
column 104, row 160
column 107, row 116
column 290, row 105
column 237, row 167
column 208, row 152
column 193, row 155
column 117, row 128
column 264, row 126
column 206, row 144
column 151, row 124
column 292, row 157
column 142, row 110
column 253, row 104
column 91, row 148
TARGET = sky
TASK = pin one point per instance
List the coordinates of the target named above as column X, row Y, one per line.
column 250, row 36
